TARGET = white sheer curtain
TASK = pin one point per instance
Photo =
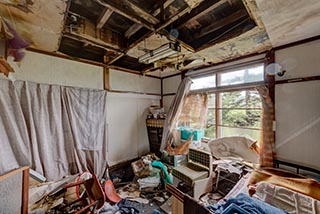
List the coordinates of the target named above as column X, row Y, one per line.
column 174, row 111
column 55, row 130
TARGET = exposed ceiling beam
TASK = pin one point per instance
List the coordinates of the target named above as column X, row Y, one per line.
column 125, row 9
column 132, row 30
column 159, row 29
column 136, row 27
column 220, row 24
column 104, row 17
column 165, row 5
column 174, row 18
column 150, row 18
column 205, row 10
column 93, row 42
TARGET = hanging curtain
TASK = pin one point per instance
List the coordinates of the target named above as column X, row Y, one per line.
column 174, row 111
column 55, row 130
column 194, row 111
column 267, row 144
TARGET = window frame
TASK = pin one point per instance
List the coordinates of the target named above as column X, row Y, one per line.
column 218, row 90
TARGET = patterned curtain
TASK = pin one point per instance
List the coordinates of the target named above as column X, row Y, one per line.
column 194, row 111
column 267, row 145
column 174, row 111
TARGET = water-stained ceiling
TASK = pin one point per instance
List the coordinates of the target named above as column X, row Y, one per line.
column 118, row 32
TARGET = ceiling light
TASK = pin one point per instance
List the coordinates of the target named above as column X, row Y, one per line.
column 160, row 53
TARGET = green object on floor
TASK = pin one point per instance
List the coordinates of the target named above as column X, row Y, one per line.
column 168, row 177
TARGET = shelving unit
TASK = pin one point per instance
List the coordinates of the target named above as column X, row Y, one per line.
column 155, row 129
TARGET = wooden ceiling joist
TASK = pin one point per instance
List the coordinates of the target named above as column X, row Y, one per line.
column 174, row 18
column 220, row 24
column 132, row 30
column 88, row 41
column 136, row 27
column 206, row 9
column 122, row 7
column 104, row 18
column 150, row 18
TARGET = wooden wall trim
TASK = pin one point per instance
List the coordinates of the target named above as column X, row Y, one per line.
column 134, row 92
column 298, row 79
column 161, row 100
column 172, row 75
column 169, row 94
column 300, row 42
column 63, row 56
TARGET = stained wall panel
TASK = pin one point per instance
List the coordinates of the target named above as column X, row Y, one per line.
column 298, row 122
column 40, row 68
column 171, row 84
column 300, row 61
column 123, row 81
column 127, row 133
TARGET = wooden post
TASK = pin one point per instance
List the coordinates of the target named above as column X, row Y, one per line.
column 106, row 79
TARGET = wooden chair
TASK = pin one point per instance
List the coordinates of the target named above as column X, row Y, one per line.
column 93, row 198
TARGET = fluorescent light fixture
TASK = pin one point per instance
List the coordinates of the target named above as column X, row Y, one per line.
column 160, row 53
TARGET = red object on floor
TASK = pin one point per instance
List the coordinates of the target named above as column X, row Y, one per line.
column 110, row 192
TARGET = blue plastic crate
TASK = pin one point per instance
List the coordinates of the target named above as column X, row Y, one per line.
column 186, row 132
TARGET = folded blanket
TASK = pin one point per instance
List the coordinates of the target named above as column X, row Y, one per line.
column 289, row 180
column 286, row 199
column 247, row 204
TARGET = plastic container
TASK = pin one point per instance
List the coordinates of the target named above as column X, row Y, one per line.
column 186, row 132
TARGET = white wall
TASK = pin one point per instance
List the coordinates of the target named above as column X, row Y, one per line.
column 127, row 113
column 170, row 85
column 46, row 69
column 300, row 61
column 297, row 106
column 127, row 138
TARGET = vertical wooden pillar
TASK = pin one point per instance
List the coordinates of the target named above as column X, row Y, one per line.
column 25, row 190
column 106, row 79
column 270, row 79
column 161, row 100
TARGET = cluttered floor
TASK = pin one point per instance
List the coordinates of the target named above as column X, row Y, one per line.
column 135, row 188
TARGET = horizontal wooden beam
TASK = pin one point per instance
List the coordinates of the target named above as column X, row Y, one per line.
column 150, row 18
column 299, row 79
column 174, row 18
column 205, row 10
column 127, row 10
column 220, row 24
column 104, row 17
column 94, row 42
column 136, row 27
column 132, row 30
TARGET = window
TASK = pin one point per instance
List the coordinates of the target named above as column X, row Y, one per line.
column 239, row 113
column 248, row 75
column 204, row 82
column 232, row 111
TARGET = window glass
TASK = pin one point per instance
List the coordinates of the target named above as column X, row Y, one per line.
column 227, row 132
column 203, row 82
column 241, row 99
column 241, row 118
column 254, row 74
column 210, row 130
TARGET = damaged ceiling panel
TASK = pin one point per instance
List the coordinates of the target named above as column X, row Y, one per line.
column 40, row 22
column 290, row 21
column 161, row 37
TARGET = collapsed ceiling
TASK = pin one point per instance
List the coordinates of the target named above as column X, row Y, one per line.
column 118, row 33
